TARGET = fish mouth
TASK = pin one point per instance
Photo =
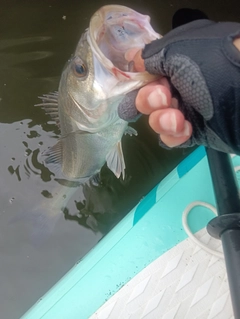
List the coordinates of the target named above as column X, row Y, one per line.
column 113, row 30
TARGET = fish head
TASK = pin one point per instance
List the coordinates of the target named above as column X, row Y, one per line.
column 80, row 101
column 97, row 76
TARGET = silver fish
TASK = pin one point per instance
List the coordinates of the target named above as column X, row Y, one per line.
column 93, row 83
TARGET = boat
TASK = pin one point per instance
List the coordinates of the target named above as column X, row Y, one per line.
column 159, row 261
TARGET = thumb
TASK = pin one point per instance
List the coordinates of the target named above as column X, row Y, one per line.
column 134, row 55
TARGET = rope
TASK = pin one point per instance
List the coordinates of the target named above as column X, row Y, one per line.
column 189, row 232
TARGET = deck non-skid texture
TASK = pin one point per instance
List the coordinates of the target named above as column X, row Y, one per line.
column 185, row 282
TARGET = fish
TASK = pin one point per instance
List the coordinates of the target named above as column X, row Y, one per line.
column 93, row 83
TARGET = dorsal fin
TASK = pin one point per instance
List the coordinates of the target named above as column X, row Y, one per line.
column 50, row 105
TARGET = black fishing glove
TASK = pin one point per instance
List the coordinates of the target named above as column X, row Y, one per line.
column 203, row 68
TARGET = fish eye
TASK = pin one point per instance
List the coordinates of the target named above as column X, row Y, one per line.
column 79, row 67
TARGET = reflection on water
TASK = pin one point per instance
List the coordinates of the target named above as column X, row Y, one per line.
column 30, row 184
column 35, row 44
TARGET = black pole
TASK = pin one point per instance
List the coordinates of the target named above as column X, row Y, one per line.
column 227, row 224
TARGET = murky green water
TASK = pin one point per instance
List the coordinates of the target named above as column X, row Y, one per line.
column 37, row 37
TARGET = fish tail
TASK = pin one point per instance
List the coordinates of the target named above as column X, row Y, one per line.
column 43, row 224
column 40, row 223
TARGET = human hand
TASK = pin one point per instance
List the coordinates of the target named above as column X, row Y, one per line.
column 201, row 86
column 155, row 100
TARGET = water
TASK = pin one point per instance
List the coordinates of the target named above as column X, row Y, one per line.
column 36, row 40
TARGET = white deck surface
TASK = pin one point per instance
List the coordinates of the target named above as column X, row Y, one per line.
column 185, row 282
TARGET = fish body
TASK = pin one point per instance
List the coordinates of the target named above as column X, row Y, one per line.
column 94, row 82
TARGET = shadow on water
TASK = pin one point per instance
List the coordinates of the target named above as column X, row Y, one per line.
column 37, row 38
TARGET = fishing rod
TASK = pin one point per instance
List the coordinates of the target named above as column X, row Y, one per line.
column 226, row 226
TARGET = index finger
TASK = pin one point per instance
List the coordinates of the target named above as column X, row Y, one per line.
column 153, row 96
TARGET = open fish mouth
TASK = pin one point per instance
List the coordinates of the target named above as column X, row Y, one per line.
column 115, row 29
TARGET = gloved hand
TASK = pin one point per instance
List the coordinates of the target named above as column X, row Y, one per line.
column 203, row 69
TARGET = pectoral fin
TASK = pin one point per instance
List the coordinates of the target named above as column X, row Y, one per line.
column 53, row 157
column 54, row 154
column 115, row 161
column 130, row 131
